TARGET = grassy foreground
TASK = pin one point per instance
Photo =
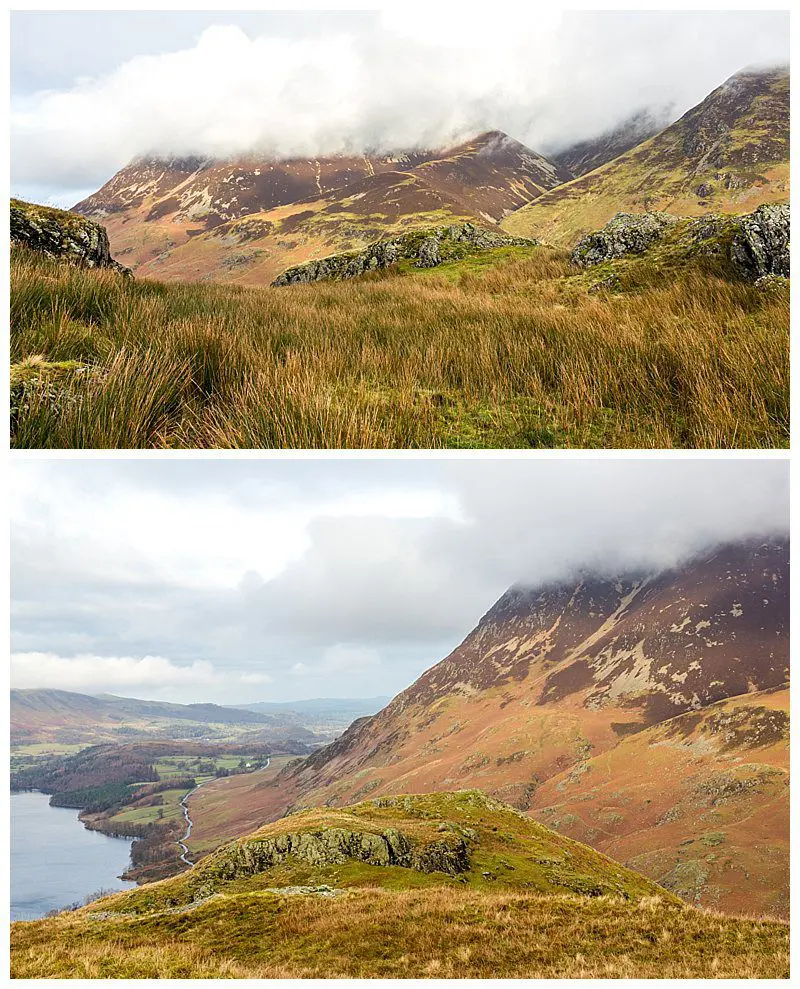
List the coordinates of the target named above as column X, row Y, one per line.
column 506, row 350
column 435, row 933
column 447, row 885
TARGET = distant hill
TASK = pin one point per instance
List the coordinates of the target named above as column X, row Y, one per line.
column 248, row 220
column 318, row 710
column 730, row 153
column 42, row 714
column 678, row 680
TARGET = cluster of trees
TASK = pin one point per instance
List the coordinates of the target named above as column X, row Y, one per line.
column 94, row 767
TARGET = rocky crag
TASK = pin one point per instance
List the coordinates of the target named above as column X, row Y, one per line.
column 462, row 840
column 423, row 248
column 62, row 235
column 750, row 247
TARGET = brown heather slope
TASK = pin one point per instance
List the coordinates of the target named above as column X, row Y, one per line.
column 558, row 683
column 728, row 154
column 247, row 220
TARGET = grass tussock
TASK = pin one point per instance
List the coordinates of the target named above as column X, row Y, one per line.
column 436, row 933
column 515, row 354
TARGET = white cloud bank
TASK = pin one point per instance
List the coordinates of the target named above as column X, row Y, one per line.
column 100, row 674
column 399, row 82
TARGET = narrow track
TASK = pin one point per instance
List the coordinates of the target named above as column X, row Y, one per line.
column 184, row 856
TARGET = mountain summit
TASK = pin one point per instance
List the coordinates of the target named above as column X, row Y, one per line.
column 248, row 219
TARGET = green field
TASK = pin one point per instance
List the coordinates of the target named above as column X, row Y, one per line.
column 168, row 811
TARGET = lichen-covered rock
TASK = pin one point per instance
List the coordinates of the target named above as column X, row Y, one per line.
column 760, row 246
column 335, row 846
column 751, row 247
column 626, row 233
column 425, row 248
column 62, row 235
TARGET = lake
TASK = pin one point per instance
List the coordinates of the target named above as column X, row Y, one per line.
column 55, row 860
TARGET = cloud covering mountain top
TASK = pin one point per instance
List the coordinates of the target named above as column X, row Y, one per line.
column 234, row 581
column 288, row 85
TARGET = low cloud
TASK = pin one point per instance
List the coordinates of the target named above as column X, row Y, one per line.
column 148, row 675
column 394, row 82
column 381, row 567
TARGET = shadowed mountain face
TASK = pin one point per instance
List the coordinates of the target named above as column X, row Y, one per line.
column 585, row 156
column 729, row 154
column 555, row 679
column 247, row 220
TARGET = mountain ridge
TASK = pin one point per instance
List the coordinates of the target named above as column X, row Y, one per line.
column 246, row 220
column 728, row 153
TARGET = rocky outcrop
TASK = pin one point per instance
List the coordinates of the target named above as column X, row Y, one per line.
column 425, row 249
column 760, row 244
column 627, row 233
column 62, row 235
column 750, row 247
column 335, row 846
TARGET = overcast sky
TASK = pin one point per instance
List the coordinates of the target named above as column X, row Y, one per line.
column 235, row 581
column 93, row 89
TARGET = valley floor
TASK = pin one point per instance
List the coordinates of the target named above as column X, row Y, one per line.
column 514, row 348
column 436, row 933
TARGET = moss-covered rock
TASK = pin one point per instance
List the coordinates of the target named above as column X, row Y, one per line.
column 751, row 247
column 460, row 840
column 626, row 233
column 62, row 235
column 424, row 248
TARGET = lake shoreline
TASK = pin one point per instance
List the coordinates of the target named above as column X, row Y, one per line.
column 56, row 862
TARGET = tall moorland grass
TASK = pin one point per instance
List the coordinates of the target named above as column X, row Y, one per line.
column 519, row 354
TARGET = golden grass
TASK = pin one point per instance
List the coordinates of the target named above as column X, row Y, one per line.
column 436, row 933
column 517, row 355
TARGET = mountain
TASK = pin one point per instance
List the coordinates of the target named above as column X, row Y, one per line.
column 728, row 154
column 559, row 682
column 435, row 885
column 41, row 715
column 247, row 220
column 586, row 155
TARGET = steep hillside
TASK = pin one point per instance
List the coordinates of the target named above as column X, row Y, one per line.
column 728, row 154
column 717, row 832
column 558, row 675
column 245, row 221
column 437, row 885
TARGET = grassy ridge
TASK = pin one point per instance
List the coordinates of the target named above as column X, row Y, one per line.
column 517, row 354
column 432, row 933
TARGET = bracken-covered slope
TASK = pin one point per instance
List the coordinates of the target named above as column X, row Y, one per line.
column 728, row 154
column 247, row 220
column 455, row 885
column 556, row 677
